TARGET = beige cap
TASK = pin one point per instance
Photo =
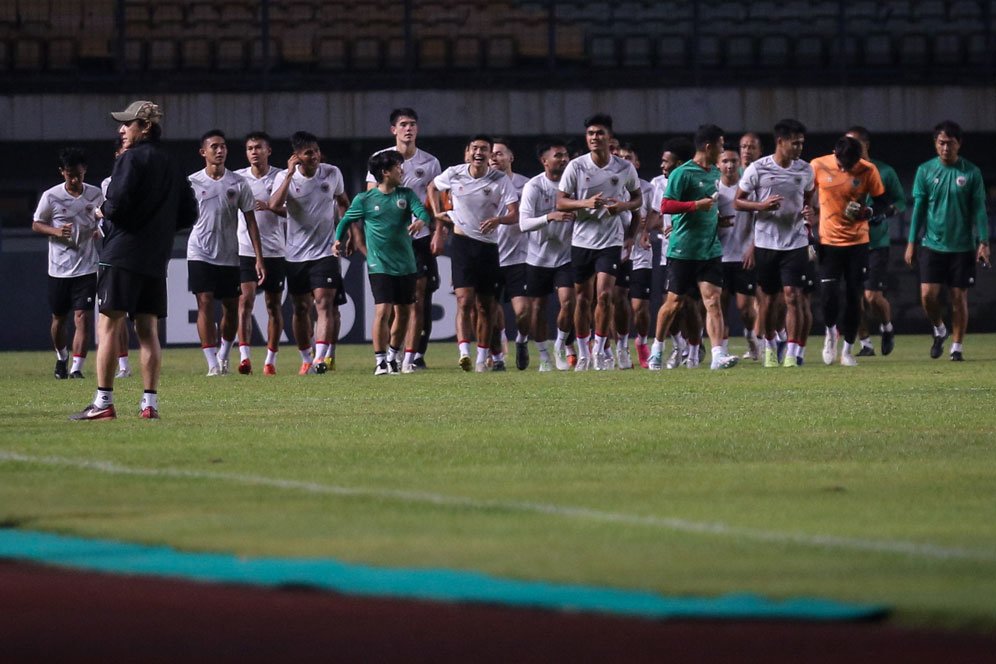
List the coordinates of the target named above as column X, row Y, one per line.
column 140, row 110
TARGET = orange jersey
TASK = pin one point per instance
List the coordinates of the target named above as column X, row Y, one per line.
column 837, row 188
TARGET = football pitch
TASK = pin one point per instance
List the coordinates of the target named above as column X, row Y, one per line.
column 874, row 484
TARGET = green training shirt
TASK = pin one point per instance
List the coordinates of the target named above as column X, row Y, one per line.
column 693, row 234
column 949, row 206
column 386, row 218
column 878, row 235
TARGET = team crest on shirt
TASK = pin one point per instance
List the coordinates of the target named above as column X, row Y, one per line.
column 614, row 180
column 376, row 208
column 419, row 172
column 487, row 191
column 961, row 180
column 89, row 209
column 326, row 187
column 402, row 204
column 231, row 194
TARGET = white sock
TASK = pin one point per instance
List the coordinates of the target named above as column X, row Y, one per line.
column 409, row 358
column 123, row 363
column 330, row 351
column 77, row 363
column 792, row 350
column 940, row 330
column 641, row 339
column 211, row 355
column 561, row 338
column 320, row 349
column 271, row 356
column 866, row 343
column 726, row 346
column 226, row 348
column 846, row 350
column 379, row 357
column 498, row 357
column 657, row 348
column 583, row 350
column 623, row 341
column 783, row 335
column 887, row 327
column 62, row 353
column 544, row 350
column 521, row 338
column 599, row 344
column 392, row 353
column 464, row 347
column 244, row 351
column 955, row 347
column 149, row 400
column 305, row 354
column 482, row 354
column 103, row 398
column 771, row 344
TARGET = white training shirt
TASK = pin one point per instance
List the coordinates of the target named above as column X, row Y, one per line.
column 513, row 245
column 76, row 255
column 419, row 171
column 659, row 184
column 783, row 228
column 272, row 227
column 643, row 259
column 476, row 199
column 311, row 212
column 549, row 242
column 735, row 239
column 596, row 229
column 215, row 236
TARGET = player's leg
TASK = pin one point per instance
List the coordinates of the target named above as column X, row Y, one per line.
column 855, row 269
column 416, row 322
column 605, row 284
column 484, row 305
column 247, row 299
column 150, row 356
column 274, row 328
column 324, row 325
column 228, row 329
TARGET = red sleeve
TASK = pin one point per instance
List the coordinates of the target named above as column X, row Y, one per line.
column 669, row 206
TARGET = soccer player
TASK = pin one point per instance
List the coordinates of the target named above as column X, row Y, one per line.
column 750, row 149
column 594, row 187
column 845, row 181
column 512, row 251
column 949, row 210
column 777, row 189
column 124, row 366
column 386, row 213
column 875, row 301
column 213, row 248
column 548, row 259
column 66, row 214
column 633, row 302
column 694, row 251
column 259, row 175
column 147, row 201
column 736, row 230
column 482, row 199
column 311, row 193
column 419, row 169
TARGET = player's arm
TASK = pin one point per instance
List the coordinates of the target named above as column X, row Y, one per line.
column 511, row 216
column 743, row 203
column 278, row 199
column 981, row 221
column 530, row 221
column 43, row 222
column 257, row 245
column 567, row 204
column 918, row 219
column 422, row 216
column 353, row 214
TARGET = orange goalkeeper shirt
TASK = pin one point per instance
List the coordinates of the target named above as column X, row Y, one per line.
column 836, row 189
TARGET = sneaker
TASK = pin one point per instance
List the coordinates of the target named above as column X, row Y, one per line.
column 545, row 366
column 723, row 362
column 583, row 364
column 319, row 367
column 521, row 356
column 381, row 369
column 610, row 360
column 674, row 359
column 654, row 362
column 269, row 370
column 888, row 342
column 480, row 367
column 61, row 369
column 643, row 354
column 214, row 371
column 498, row 365
column 625, row 359
column 305, row 369
column 392, row 368
column 937, row 348
column 560, row 359
column 92, row 412
column 76, row 374
column 847, row 359
column 956, row 356
column 572, row 361
column 223, row 366
column 329, row 364
column 830, row 347
column 419, row 364
column 770, row 358
column 598, row 362
column 407, row 368
column 866, row 351
column 245, row 367
column 149, row 413
column 790, row 362
column 693, row 362
column 123, row 373
column 799, row 360
column 465, row 362
column 751, row 352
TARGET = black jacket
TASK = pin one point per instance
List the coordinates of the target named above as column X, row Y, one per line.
column 148, row 200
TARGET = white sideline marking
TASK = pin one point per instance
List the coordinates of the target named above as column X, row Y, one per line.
column 914, row 549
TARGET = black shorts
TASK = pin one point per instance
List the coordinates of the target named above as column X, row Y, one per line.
column 276, row 272
column 809, row 278
column 954, row 269
column 541, row 281
column 777, row 268
column 133, row 293
column 475, row 265
column 514, row 282
column 640, row 284
column 738, row 280
column 425, row 263
column 221, row 280
column 587, row 262
column 393, row 289
column 623, row 274
column 683, row 276
column 306, row 276
column 67, row 294
column 849, row 263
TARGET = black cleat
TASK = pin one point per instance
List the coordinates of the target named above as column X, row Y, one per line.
column 888, row 342
column 94, row 412
column 937, row 348
column 76, row 374
column 956, row 356
column 866, row 351
column 419, row 363
column 498, row 366
column 392, row 367
column 61, row 370
column 521, row 356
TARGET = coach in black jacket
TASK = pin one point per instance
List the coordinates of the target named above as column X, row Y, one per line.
column 148, row 200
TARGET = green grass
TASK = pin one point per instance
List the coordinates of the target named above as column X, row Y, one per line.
column 899, row 449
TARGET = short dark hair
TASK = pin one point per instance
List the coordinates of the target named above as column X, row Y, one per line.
column 258, row 136
column 949, row 127
column 502, row 140
column 628, row 147
column 600, row 119
column 71, row 157
column 384, row 161
column 680, row 147
column 788, row 127
column 403, row 112
column 210, row 133
column 707, row 133
column 863, row 134
column 302, row 139
column 480, row 137
column 546, row 143
column 848, row 151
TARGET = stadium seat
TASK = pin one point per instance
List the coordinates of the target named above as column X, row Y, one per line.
column 168, row 18
column 637, row 51
column 500, row 53
column 230, row 54
column 467, row 53
column 33, row 11
column 569, row 44
column 260, row 60
column 28, row 54
column 134, row 54
column 775, row 51
column 947, row 49
column 878, row 50
column 61, row 54
column 432, row 53
column 708, row 51
column 331, row 53
column 602, row 51
column 395, row 54
column 672, row 52
column 366, row 53
column 66, row 20
column 162, row 54
column 740, row 51
column 913, row 50
column 810, row 51
column 297, row 48
column 95, row 48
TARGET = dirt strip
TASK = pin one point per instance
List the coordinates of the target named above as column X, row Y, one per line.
column 49, row 614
